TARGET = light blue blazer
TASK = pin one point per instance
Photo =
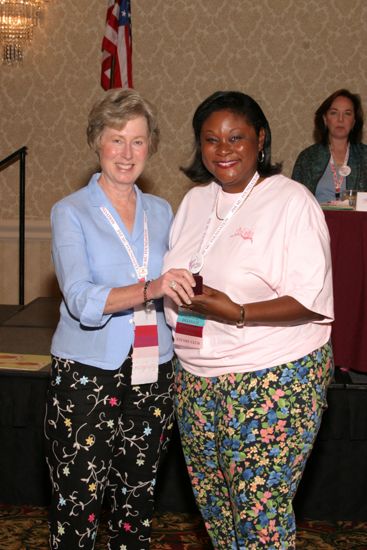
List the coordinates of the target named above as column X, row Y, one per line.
column 89, row 261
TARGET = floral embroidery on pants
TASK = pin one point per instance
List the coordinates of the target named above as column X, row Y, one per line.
column 105, row 438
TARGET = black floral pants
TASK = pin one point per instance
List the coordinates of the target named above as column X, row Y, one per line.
column 104, row 439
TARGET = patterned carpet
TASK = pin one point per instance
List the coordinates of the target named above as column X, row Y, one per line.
column 25, row 528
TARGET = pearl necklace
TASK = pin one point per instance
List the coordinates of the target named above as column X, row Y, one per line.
column 217, row 203
column 216, row 209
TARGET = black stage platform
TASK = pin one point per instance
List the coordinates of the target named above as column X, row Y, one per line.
column 333, row 486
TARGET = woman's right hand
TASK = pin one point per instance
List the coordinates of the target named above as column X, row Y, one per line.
column 176, row 283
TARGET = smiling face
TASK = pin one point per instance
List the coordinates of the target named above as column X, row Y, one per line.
column 230, row 148
column 124, row 152
column 340, row 118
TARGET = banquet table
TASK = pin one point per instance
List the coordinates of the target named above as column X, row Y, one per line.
column 348, row 236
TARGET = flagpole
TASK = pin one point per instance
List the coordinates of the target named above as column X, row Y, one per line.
column 112, row 79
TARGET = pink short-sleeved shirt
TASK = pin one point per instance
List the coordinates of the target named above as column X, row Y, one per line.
column 276, row 244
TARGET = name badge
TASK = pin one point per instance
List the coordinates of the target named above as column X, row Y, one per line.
column 189, row 329
column 145, row 356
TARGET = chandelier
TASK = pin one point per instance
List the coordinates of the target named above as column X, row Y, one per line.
column 17, row 21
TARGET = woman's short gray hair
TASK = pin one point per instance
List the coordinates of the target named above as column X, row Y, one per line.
column 115, row 109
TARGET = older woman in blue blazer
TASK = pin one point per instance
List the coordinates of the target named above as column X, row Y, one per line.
column 109, row 404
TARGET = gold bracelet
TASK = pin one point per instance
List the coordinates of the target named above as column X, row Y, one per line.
column 242, row 320
column 145, row 293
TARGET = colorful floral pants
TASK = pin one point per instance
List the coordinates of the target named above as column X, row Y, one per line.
column 246, row 438
column 104, row 438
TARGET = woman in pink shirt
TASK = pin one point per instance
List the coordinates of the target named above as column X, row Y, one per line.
column 254, row 344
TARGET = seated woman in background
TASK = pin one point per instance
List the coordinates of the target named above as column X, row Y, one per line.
column 338, row 159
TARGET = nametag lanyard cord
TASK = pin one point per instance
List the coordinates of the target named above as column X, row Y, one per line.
column 343, row 171
column 197, row 261
column 145, row 356
column 141, row 271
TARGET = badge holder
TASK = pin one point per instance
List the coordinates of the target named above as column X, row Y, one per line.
column 189, row 329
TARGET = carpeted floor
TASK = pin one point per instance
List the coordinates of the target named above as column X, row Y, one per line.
column 25, row 528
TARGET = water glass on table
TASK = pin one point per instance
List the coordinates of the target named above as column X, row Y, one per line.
column 350, row 195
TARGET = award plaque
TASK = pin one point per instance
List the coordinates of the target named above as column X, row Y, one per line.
column 198, row 289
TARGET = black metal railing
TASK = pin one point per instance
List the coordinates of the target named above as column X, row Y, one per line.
column 19, row 155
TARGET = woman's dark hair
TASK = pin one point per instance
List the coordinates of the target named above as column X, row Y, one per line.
column 321, row 131
column 240, row 104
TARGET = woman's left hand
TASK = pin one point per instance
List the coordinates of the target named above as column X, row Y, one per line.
column 216, row 304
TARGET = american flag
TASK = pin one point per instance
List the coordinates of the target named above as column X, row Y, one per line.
column 117, row 46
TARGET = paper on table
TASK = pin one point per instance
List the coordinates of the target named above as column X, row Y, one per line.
column 21, row 361
column 361, row 203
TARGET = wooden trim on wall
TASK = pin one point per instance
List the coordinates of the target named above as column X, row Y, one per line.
column 38, row 230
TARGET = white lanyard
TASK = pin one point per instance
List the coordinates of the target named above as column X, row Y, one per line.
column 197, row 261
column 141, row 271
